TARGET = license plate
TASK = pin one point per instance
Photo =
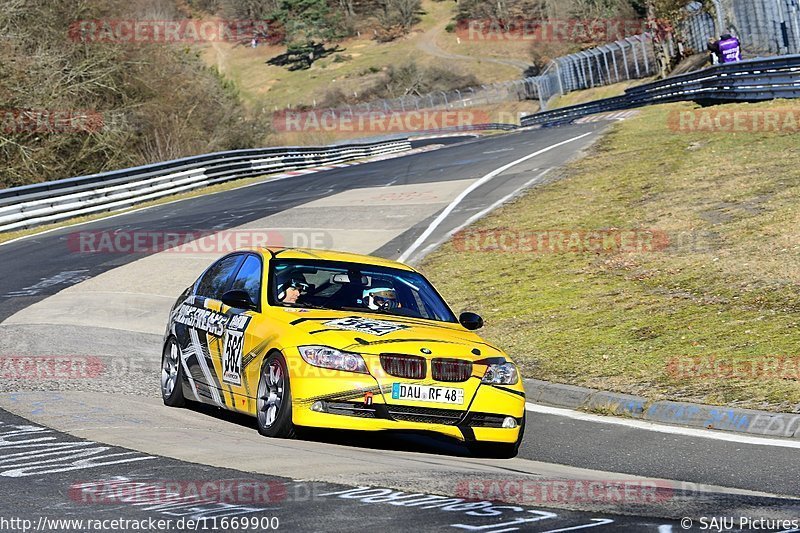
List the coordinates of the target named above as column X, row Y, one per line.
column 425, row 393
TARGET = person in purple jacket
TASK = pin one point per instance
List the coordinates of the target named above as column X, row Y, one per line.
column 730, row 49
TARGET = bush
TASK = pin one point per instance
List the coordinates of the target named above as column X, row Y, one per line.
column 157, row 102
column 395, row 82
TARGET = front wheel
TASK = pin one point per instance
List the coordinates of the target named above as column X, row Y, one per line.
column 274, row 401
column 172, row 375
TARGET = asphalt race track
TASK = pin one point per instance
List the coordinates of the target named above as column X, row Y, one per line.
column 103, row 447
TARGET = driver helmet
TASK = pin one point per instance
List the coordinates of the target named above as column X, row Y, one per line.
column 381, row 299
column 297, row 281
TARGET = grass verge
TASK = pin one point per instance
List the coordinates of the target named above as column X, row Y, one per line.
column 712, row 317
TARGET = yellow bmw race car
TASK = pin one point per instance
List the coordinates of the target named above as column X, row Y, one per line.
column 306, row 338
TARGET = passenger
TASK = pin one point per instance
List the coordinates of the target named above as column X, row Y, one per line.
column 381, row 299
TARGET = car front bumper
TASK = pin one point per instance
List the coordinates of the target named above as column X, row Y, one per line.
column 344, row 400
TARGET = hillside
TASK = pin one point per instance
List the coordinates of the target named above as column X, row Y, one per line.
column 73, row 107
column 361, row 61
column 76, row 106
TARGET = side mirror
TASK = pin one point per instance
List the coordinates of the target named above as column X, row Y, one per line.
column 238, row 300
column 471, row 321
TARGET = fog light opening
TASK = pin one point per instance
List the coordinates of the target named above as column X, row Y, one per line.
column 510, row 422
column 318, row 407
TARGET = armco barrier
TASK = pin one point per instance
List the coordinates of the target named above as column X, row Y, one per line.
column 41, row 203
column 747, row 81
column 32, row 205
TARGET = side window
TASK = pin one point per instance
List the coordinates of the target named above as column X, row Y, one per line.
column 213, row 283
column 249, row 278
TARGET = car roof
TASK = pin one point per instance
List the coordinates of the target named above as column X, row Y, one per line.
column 330, row 255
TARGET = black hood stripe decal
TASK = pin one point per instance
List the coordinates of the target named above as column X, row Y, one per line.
column 512, row 391
column 311, row 319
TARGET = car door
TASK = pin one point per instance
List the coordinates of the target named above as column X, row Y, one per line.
column 203, row 326
column 241, row 346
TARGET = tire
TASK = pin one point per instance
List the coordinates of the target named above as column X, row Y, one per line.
column 496, row 450
column 274, row 400
column 172, row 375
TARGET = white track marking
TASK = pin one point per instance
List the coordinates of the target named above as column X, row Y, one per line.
column 595, row 523
column 487, row 178
column 660, row 428
column 471, row 220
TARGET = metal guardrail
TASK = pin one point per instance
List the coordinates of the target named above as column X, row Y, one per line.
column 41, row 203
column 747, row 81
column 32, row 205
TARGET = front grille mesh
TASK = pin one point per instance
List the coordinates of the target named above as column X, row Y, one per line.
column 404, row 366
column 451, row 370
column 421, row 415
column 425, row 415
column 350, row 409
column 481, row 420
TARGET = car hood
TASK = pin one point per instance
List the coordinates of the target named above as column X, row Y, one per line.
column 372, row 333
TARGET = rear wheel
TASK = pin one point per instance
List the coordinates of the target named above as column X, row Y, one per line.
column 172, row 375
column 274, row 401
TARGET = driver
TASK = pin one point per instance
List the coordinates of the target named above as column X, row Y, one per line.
column 381, row 299
column 291, row 291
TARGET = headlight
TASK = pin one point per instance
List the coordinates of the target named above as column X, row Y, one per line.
column 325, row 357
column 502, row 374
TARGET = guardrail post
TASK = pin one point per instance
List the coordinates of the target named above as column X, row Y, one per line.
column 614, row 59
column 558, row 76
column 605, row 60
column 589, row 68
column 635, row 59
column 793, row 11
column 625, row 60
column 643, row 39
column 583, row 80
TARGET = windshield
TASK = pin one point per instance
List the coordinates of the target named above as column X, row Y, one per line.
column 355, row 287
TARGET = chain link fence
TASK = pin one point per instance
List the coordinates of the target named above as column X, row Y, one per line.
column 495, row 93
column 628, row 59
column 765, row 27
